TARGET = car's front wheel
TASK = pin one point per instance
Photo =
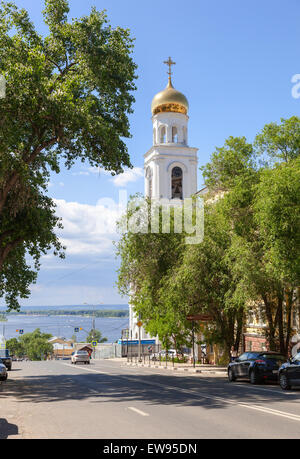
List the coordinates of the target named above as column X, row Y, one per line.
column 231, row 375
column 284, row 382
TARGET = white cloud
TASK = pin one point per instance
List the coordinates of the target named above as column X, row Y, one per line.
column 121, row 180
column 81, row 173
column 88, row 229
column 129, row 175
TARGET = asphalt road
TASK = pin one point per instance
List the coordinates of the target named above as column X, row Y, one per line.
column 105, row 400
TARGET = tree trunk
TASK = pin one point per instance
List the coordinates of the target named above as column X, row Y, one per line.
column 289, row 305
column 283, row 349
column 271, row 327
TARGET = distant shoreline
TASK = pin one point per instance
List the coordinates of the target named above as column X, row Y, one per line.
column 109, row 313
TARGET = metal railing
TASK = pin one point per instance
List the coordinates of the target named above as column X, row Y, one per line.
column 158, row 357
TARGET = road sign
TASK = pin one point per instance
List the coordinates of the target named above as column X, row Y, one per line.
column 76, row 330
column 139, row 324
column 94, row 343
column 21, row 332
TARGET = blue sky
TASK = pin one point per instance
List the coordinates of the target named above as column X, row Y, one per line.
column 234, row 62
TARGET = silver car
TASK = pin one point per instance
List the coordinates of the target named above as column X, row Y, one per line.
column 80, row 356
column 3, row 372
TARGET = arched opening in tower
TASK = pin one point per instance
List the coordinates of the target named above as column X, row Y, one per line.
column 177, row 176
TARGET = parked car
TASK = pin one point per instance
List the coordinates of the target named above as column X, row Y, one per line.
column 80, row 356
column 289, row 373
column 6, row 358
column 256, row 366
column 3, row 371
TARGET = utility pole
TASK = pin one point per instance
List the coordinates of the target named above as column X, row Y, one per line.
column 139, row 345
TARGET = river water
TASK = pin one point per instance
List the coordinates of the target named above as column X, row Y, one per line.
column 64, row 325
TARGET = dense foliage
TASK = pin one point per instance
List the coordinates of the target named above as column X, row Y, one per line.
column 95, row 335
column 249, row 259
column 33, row 345
column 68, row 97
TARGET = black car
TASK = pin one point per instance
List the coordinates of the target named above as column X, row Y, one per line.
column 289, row 373
column 256, row 366
column 6, row 359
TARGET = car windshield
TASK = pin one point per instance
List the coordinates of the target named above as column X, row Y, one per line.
column 82, row 352
column 4, row 353
column 296, row 357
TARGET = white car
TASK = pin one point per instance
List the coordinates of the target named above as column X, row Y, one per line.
column 80, row 356
column 3, row 372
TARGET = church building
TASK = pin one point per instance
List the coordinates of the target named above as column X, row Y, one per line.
column 170, row 165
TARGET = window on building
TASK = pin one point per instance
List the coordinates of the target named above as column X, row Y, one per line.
column 163, row 135
column 177, row 183
column 251, row 317
column 174, row 134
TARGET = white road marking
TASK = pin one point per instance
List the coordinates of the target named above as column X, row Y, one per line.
column 86, row 369
column 291, row 416
column 294, row 417
column 142, row 413
column 281, row 392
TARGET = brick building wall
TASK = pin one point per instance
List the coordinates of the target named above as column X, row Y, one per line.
column 255, row 343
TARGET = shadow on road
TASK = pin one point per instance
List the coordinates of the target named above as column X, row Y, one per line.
column 7, row 429
column 152, row 389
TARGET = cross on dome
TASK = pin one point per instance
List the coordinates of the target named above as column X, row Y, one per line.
column 169, row 62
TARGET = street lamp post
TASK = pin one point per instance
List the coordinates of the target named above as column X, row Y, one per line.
column 139, row 324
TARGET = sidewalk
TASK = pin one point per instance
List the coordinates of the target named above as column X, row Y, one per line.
column 180, row 367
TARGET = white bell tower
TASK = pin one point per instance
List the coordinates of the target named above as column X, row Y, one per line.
column 170, row 164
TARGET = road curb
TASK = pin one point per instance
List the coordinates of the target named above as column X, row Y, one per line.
column 220, row 371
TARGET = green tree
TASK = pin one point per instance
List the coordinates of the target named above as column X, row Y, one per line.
column 262, row 204
column 203, row 283
column 95, row 335
column 36, row 344
column 279, row 142
column 68, row 96
column 146, row 257
column 277, row 212
column 249, row 256
column 15, row 347
column 228, row 164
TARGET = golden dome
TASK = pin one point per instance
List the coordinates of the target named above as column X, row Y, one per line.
column 169, row 100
